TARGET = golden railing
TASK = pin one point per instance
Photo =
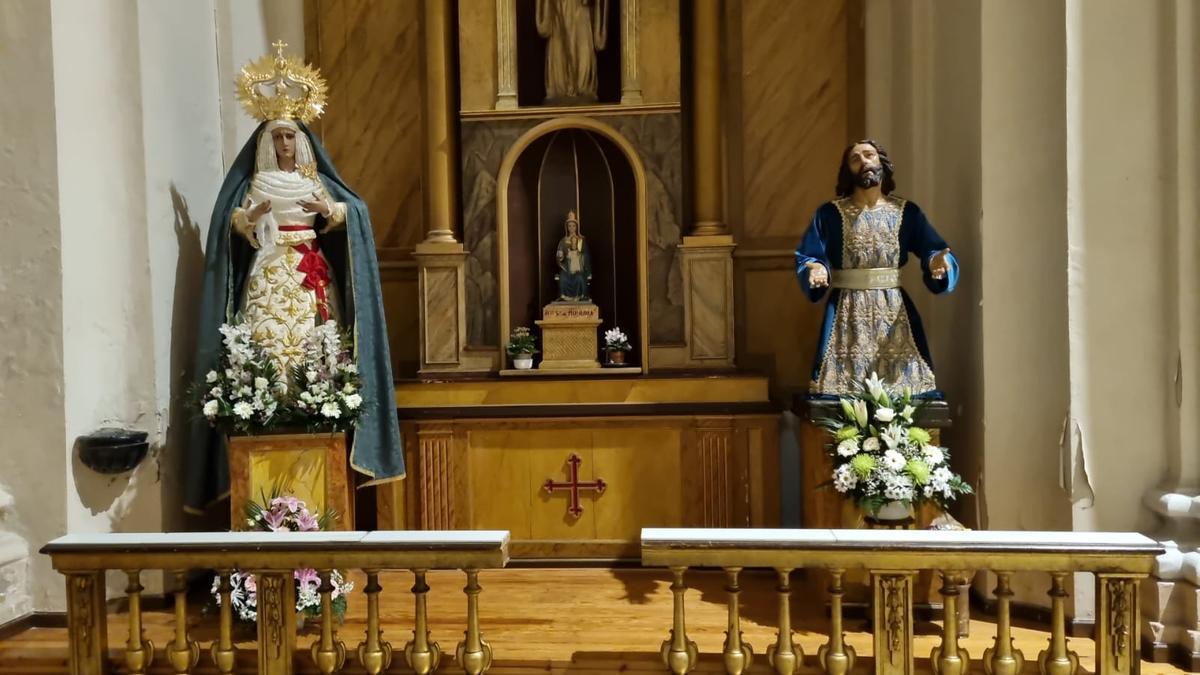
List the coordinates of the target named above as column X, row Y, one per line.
column 272, row 557
column 892, row 558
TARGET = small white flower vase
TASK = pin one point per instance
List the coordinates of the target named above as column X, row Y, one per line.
column 523, row 361
column 891, row 516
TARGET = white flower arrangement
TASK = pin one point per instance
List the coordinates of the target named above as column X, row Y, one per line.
column 246, row 393
column 325, row 383
column 879, row 456
column 615, row 340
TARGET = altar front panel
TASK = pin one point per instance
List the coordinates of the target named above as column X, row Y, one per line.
column 661, row 465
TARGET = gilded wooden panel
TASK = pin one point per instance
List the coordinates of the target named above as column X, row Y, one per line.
column 477, row 55
column 794, row 110
column 370, row 53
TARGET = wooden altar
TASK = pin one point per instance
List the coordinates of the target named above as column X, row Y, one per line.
column 668, row 451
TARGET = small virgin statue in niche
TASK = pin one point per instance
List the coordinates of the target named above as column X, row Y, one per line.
column 574, row 263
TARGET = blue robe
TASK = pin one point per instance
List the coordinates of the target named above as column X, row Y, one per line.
column 376, row 445
column 871, row 330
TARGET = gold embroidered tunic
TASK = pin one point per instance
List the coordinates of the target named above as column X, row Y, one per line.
column 871, row 326
column 290, row 286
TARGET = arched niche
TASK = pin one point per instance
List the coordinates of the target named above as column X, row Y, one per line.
column 581, row 163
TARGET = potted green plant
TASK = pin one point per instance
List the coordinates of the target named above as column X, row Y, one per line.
column 616, row 343
column 521, row 348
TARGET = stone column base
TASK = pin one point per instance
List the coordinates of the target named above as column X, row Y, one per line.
column 707, row 266
column 1171, row 596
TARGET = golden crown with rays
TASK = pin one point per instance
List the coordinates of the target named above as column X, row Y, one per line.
column 296, row 89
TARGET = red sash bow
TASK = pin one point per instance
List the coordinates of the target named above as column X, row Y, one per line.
column 316, row 274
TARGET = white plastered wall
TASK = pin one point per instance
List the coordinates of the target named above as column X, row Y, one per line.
column 114, row 153
column 1080, row 285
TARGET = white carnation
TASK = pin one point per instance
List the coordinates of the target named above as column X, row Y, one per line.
column 311, row 375
column 353, row 401
column 243, row 410
column 893, row 460
column 848, row 448
column 331, row 410
column 933, row 455
column 871, row 444
column 210, row 409
column 261, row 383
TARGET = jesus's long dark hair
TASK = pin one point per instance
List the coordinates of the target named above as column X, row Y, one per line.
column 847, row 180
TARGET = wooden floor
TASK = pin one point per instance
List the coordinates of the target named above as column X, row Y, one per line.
column 557, row 621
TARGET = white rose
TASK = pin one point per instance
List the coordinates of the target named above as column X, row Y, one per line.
column 871, row 444
column 885, row 415
column 216, row 392
column 210, row 409
column 211, row 377
column 848, row 448
column 261, row 383
column 353, row 401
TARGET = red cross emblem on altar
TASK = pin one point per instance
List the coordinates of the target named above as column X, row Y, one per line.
column 573, row 485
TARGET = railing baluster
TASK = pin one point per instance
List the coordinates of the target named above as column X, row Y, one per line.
column 948, row 658
column 1118, row 625
column 139, row 652
column 836, row 657
column 421, row 653
column 223, row 653
column 374, row 654
column 679, row 653
column 88, row 622
column 185, row 652
column 1003, row 658
column 737, row 653
column 1057, row 659
column 784, row 655
column 474, row 653
column 892, row 622
column 328, row 654
column 276, row 622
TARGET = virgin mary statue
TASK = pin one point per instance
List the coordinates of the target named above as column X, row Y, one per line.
column 290, row 247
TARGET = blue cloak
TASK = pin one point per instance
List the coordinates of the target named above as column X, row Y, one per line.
column 376, row 446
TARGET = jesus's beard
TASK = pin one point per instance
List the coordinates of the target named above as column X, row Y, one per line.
column 870, row 177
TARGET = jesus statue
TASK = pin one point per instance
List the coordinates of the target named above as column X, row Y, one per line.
column 855, row 247
column 575, row 31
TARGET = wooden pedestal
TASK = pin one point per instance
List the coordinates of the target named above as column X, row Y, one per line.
column 310, row 467
column 569, row 340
